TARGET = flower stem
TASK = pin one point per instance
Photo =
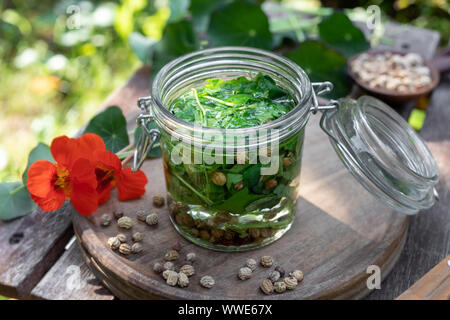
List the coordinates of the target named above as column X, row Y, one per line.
column 127, row 159
column 17, row 189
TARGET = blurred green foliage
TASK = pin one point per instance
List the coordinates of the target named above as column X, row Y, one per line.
column 60, row 59
column 431, row 14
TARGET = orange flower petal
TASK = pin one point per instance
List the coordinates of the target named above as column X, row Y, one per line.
column 88, row 143
column 131, row 185
column 84, row 198
column 53, row 201
column 83, row 172
column 104, row 194
column 40, row 177
column 65, row 151
column 108, row 159
column 84, row 183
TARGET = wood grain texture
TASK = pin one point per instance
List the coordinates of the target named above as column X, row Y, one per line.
column 70, row 279
column 435, row 285
column 340, row 230
column 41, row 237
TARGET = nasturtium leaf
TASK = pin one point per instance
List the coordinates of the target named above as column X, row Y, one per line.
column 233, row 178
column 322, row 64
column 111, row 126
column 40, row 152
column 15, row 200
column 178, row 9
column 251, row 175
column 142, row 46
column 339, row 32
column 240, row 23
column 201, row 10
column 238, row 201
column 154, row 152
column 178, row 39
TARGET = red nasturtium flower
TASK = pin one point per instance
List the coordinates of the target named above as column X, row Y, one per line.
column 71, row 177
column 85, row 172
column 109, row 172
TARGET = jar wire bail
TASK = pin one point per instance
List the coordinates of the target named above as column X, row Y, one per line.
column 319, row 89
column 148, row 137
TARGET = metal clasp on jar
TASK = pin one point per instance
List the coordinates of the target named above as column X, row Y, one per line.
column 321, row 88
column 149, row 136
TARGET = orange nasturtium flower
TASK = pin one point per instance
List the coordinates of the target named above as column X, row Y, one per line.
column 71, row 177
column 85, row 172
column 110, row 174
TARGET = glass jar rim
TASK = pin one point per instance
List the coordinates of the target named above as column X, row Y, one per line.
column 173, row 69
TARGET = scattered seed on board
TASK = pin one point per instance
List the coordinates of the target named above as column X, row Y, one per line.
column 158, row 201
column 266, row 261
column 152, row 219
column 183, row 280
column 105, row 220
column 279, row 287
column 297, row 274
column 207, row 282
column 141, row 215
column 280, row 270
column 176, row 246
column 118, row 214
column 267, row 286
column 274, row 276
column 125, row 249
column 125, row 223
column 171, row 255
column 138, row 236
column 158, row 267
column 114, row 243
column 245, row 273
column 166, row 273
column 187, row 270
column 172, row 278
column 191, row 256
column 122, row 238
column 290, row 283
column 184, row 262
column 251, row 263
column 169, row 266
column 136, row 247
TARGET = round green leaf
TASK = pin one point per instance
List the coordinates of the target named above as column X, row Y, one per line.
column 240, row 24
column 111, row 126
column 15, row 200
column 178, row 39
column 322, row 64
column 201, row 10
column 178, row 9
column 141, row 46
column 339, row 32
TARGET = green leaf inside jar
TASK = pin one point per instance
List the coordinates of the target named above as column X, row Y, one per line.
column 231, row 104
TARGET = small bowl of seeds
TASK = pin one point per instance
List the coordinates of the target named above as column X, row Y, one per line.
column 393, row 76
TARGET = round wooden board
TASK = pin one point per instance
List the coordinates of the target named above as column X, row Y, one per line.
column 339, row 230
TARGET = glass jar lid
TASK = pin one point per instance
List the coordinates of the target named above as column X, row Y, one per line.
column 383, row 153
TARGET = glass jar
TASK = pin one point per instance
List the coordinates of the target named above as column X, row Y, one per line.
column 236, row 189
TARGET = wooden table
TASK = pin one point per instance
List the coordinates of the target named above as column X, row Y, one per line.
column 38, row 262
